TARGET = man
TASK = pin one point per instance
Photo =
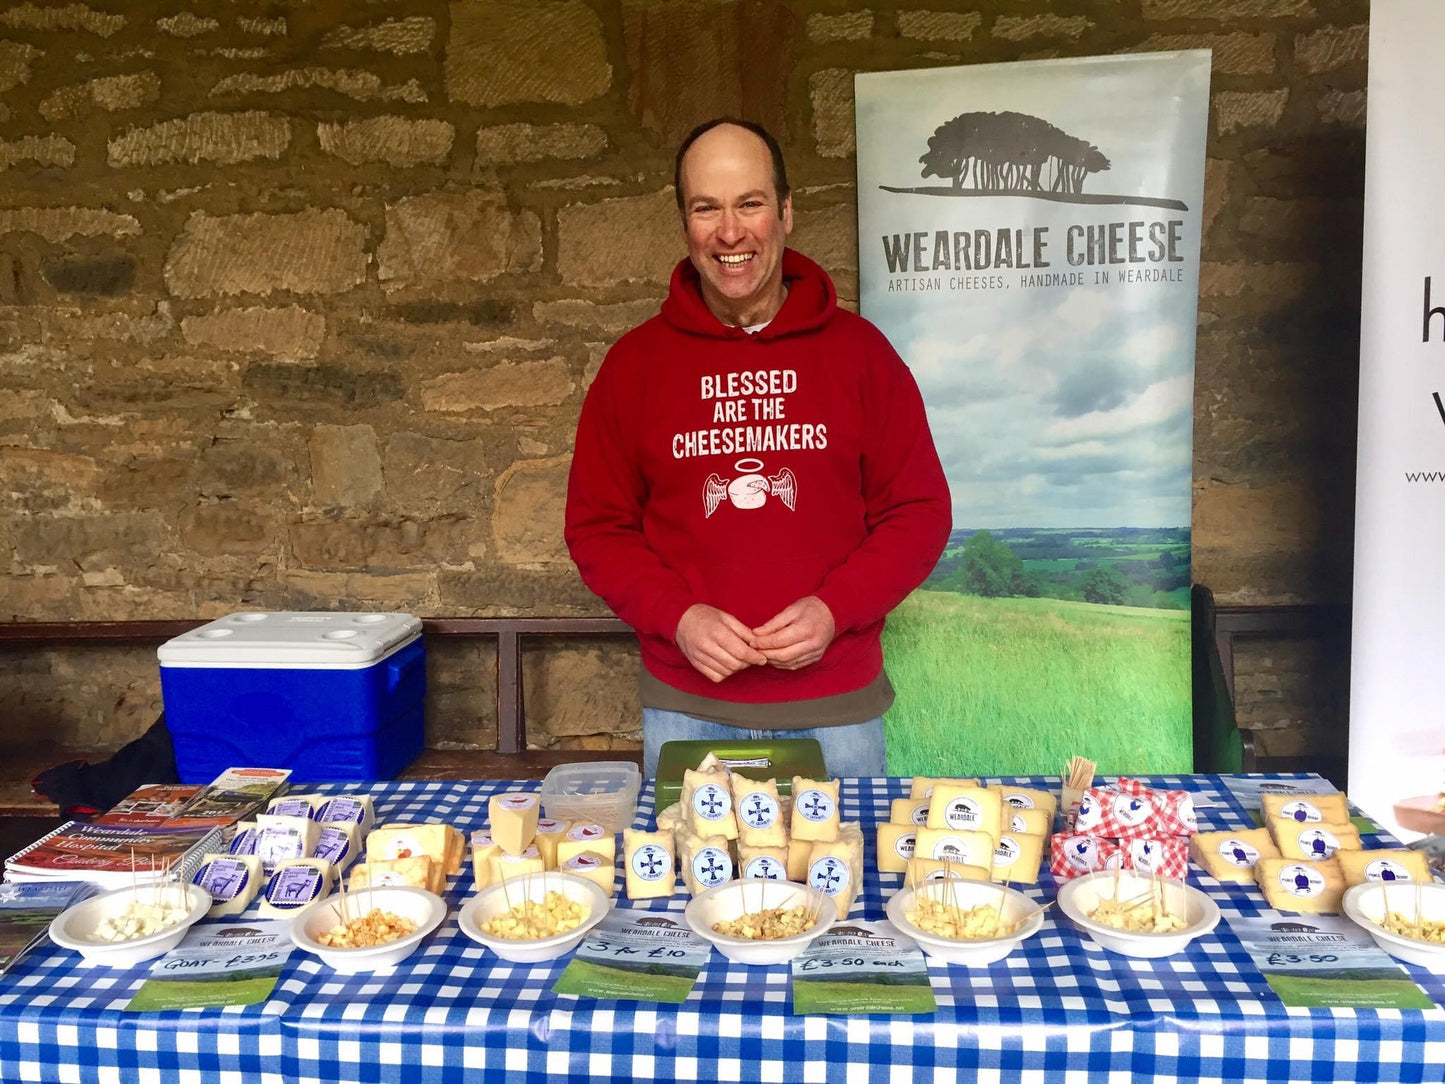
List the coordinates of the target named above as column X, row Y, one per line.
column 754, row 485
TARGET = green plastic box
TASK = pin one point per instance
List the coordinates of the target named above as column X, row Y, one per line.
column 781, row 760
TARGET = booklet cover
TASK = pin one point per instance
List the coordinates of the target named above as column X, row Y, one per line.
column 151, row 805
column 112, row 855
column 26, row 911
column 233, row 795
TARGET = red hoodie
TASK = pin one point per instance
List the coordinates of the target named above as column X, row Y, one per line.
column 747, row 471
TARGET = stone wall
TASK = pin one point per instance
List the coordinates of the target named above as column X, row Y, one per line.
column 299, row 298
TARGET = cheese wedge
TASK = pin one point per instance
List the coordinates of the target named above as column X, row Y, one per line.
column 412, row 872
column 484, row 848
column 706, row 862
column 296, row 805
column 1305, row 808
column 1313, row 841
column 671, row 818
column 1025, row 798
column 1029, row 822
column 1288, row 884
column 926, row 870
column 912, row 811
column 233, row 880
column 769, row 863
column 513, row 820
column 549, row 834
column 964, row 848
column 966, row 809
column 507, row 866
column 1231, row 856
column 895, row 847
column 295, row 884
column 1401, row 864
column 707, row 804
column 595, row 867
column 922, row 786
column 760, row 813
column 649, row 860
column 356, row 808
column 835, row 867
column 815, row 809
column 336, row 842
column 1018, row 857
column 587, row 837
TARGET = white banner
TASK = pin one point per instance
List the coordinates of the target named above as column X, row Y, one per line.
column 1397, row 736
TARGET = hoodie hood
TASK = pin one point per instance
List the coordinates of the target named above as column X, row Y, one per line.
column 810, row 303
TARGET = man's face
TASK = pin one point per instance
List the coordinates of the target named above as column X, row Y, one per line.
column 735, row 228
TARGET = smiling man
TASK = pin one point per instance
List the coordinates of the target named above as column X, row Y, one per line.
column 754, row 485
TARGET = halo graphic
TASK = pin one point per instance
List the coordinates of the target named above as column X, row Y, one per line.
column 750, row 464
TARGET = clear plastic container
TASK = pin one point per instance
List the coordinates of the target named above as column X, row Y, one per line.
column 602, row 792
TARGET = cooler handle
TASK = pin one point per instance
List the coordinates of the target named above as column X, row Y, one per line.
column 399, row 670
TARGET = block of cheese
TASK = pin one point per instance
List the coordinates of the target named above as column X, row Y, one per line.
column 1313, row 841
column 244, row 839
column 922, row 786
column 1030, row 822
column 513, row 820
column 671, row 819
column 800, row 852
column 507, row 866
column 760, row 813
column 233, row 880
column 706, row 862
column 597, row 868
column 484, row 847
column 1399, row 864
column 707, row 804
column 1231, row 856
column 549, row 834
column 968, row 848
column 337, row 843
column 456, row 849
column 1305, row 808
column 295, row 884
column 296, row 805
column 1018, row 857
column 967, row 809
column 815, row 809
column 281, row 839
column 1308, row 887
column 896, row 845
column 649, row 861
column 912, row 811
column 399, row 840
column 587, row 837
column 835, row 867
column 413, row 872
column 769, row 863
column 356, row 808
column 925, row 870
column 1025, row 798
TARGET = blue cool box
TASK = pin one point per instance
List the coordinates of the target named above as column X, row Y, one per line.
column 332, row 696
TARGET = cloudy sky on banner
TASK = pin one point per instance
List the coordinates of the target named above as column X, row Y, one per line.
column 1060, row 406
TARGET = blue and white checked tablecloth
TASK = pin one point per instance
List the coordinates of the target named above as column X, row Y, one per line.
column 1060, row 1009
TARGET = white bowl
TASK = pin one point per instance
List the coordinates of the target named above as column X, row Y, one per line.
column 730, row 900
column 498, row 899
column 1080, row 896
column 1366, row 905
column 423, row 908
column 1014, row 907
column 74, row 928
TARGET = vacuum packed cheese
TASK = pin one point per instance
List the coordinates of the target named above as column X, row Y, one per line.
column 922, row 786
column 233, row 880
column 1232, row 856
column 912, row 811
column 760, row 812
column 483, row 848
column 549, row 833
column 280, row 839
column 1018, row 857
column 799, row 853
column 244, row 839
column 769, row 863
column 968, row 848
column 835, row 867
column 1031, row 822
column 926, row 870
column 815, row 809
column 336, row 842
column 356, row 808
column 1305, row 808
column 896, row 846
column 649, row 860
column 296, row 805
column 1072, row 854
column 417, row 871
column 1310, row 887
column 409, row 840
column 296, row 883
column 707, row 804
column 587, row 837
column 706, row 862
column 967, row 809
column 513, row 820
column 1401, row 864
column 593, row 866
column 506, row 866
column 1314, row 841
column 1025, row 798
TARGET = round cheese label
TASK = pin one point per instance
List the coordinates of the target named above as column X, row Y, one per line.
column 1185, row 812
column 829, row 875
column 223, row 878
column 759, row 810
column 766, row 867
column 333, row 845
column 401, row 847
column 482, row 838
column 1017, row 824
column 1301, row 811
column 386, row 878
column 1301, row 880
column 712, row 802
column 944, row 874
column 550, row 827
column 585, row 860
column 1386, row 869
column 953, row 849
column 906, row 845
column 342, row 809
column 530, row 853
column 1318, row 844
column 920, row 815
column 294, row 886
column 964, row 812
column 1007, row 852
column 1019, row 801
column 815, row 805
column 711, row 866
column 584, row 832
column 1082, row 853
column 244, row 842
column 1089, row 815
column 1132, row 810
column 517, row 802
column 651, row 862
column 1239, row 853
column 1144, row 855
column 291, row 807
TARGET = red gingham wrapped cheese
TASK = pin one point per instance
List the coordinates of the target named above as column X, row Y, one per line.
column 1176, row 812
column 1166, row 857
column 1071, row 855
column 1122, row 811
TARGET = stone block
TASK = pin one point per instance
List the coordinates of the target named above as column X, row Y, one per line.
column 1042, row 25
column 506, row 144
column 1236, row 109
column 219, row 138
column 363, row 86
column 449, row 237
column 531, row 497
column 938, row 25
column 424, row 471
column 412, row 34
column 580, row 691
column 302, row 589
column 62, row 17
column 488, row 312
column 852, row 26
column 93, row 541
column 1226, row 10
column 292, row 332
column 150, row 323
column 381, row 543
column 292, row 385
column 229, row 467
column 831, row 94
column 345, row 466
column 397, row 141
column 615, row 318
column 1278, row 281
column 504, row 384
column 187, row 25
column 1332, row 47
column 110, row 95
column 51, row 150
column 223, row 528
column 1217, row 174
column 265, row 27
column 1239, row 53
column 1343, row 107
column 1283, row 516
column 829, row 235
column 506, row 590
column 502, row 52
column 15, row 60
column 628, row 239
column 236, row 254
column 57, row 224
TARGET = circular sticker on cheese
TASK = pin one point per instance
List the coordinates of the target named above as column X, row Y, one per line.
column 294, row 886
column 1082, row 853
column 1144, row 855
column 1301, row 880
column 585, row 860
column 953, row 849
column 332, row 844
column 1185, row 812
column 1300, row 811
column 550, row 827
column 711, row 866
column 1318, row 844
column 482, row 838
column 1007, row 851
column 759, row 810
column 584, row 832
column 1239, row 853
column 1017, row 824
column 765, row 867
column 964, row 812
column 906, row 845
column 388, row 878
column 829, row 875
column 651, row 862
column 223, row 878
column 711, row 802
column 1132, row 810
column 342, row 809
column 944, row 874
column 1089, row 815
column 1386, row 869
column 920, row 815
column 815, row 806
column 517, row 801
column 1019, row 801
column 401, row 847
column 291, row 807
column 1114, row 861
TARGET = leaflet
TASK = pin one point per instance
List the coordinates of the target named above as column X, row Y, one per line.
column 218, row 964
column 862, row 967
column 26, row 911
column 636, row 955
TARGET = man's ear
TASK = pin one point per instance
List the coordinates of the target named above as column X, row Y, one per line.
column 786, row 214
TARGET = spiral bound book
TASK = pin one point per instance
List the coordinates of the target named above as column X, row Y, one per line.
column 112, row 856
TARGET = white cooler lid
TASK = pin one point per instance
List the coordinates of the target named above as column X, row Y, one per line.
column 329, row 641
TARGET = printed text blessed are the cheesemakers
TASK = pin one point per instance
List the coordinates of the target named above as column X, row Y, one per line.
column 1117, row 252
column 757, row 396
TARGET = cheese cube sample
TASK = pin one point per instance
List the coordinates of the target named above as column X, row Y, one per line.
column 484, row 848
column 800, row 852
column 706, row 862
column 356, row 808
column 912, row 811
column 549, row 834
column 506, row 866
column 587, row 837
column 296, row 805
column 295, row 884
column 513, row 820
column 595, row 867
column 337, row 843
column 835, row 867
column 649, row 860
column 966, row 809
column 1288, row 884
column 1305, row 808
column 1024, row 798
column 413, row 872
column 927, row 870
column 707, row 804
column 815, row 809
column 1314, row 842
column 896, row 846
column 922, row 786
column 1360, row 867
column 966, row 848
column 1018, row 858
column 760, row 813
column 233, row 880
column 1029, row 822
column 1232, row 856
column 767, row 863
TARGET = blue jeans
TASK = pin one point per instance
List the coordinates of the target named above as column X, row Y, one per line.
column 852, row 751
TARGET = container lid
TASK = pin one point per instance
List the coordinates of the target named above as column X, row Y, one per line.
column 312, row 640
column 759, row 759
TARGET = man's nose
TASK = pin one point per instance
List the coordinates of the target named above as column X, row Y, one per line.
column 730, row 229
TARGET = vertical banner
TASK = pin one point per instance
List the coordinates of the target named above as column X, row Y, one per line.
column 1029, row 242
column 1397, row 738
